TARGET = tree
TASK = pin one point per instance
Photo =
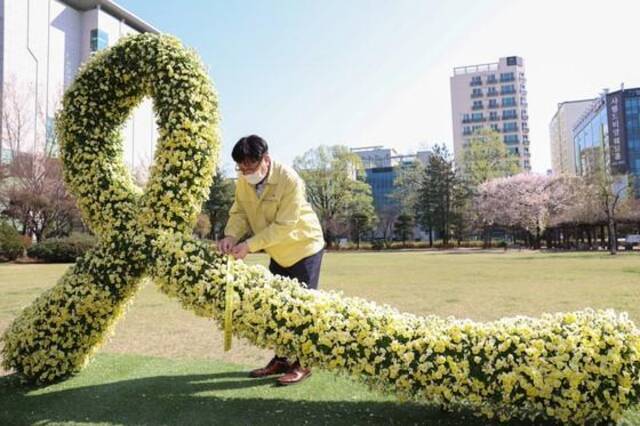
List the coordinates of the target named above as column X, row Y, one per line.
column 607, row 188
column 404, row 227
column 524, row 203
column 361, row 213
column 407, row 184
column 218, row 204
column 436, row 206
column 334, row 186
column 37, row 200
column 487, row 157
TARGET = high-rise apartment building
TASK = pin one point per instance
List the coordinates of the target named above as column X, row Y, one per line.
column 492, row 96
column 563, row 157
column 42, row 45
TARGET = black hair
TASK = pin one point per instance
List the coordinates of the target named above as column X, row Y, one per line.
column 249, row 148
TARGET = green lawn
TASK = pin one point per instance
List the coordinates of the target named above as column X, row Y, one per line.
column 164, row 365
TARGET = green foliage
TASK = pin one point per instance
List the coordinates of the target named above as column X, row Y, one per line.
column 62, row 250
column 406, row 184
column 403, row 227
column 218, row 203
column 487, row 157
column 335, row 189
column 441, row 195
column 11, row 246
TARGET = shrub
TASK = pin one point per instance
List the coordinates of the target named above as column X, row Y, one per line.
column 10, row 243
column 62, row 250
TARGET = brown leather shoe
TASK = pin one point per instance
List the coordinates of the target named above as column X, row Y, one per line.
column 296, row 374
column 275, row 366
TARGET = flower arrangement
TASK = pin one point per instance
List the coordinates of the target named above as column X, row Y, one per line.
column 576, row 367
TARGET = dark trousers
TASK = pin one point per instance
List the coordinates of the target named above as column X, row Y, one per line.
column 306, row 270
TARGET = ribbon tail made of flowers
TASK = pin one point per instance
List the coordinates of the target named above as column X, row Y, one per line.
column 228, row 309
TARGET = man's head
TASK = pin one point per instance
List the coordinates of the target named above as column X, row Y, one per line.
column 251, row 155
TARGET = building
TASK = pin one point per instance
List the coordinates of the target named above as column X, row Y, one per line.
column 609, row 132
column 42, row 45
column 381, row 166
column 491, row 96
column 563, row 157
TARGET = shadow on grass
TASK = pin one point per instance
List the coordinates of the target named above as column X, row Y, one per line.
column 200, row 399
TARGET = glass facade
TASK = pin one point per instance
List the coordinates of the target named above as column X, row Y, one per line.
column 591, row 140
column 381, row 181
column 593, row 136
column 632, row 127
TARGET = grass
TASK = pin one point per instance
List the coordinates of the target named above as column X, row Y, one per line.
column 176, row 359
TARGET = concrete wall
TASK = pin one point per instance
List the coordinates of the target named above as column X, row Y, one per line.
column 43, row 44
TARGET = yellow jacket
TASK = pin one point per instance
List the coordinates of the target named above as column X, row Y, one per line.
column 281, row 220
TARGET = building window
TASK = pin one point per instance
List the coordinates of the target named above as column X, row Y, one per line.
column 512, row 126
column 495, row 128
column 99, row 40
column 493, row 116
column 476, row 81
column 507, row 89
column 509, row 114
column 477, row 105
column 508, row 102
column 492, row 79
column 477, row 116
column 493, row 103
column 510, row 139
column 476, row 93
column 506, row 76
column 492, row 91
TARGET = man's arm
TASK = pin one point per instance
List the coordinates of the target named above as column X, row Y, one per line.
column 238, row 224
column 287, row 217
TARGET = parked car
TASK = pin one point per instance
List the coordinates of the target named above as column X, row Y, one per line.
column 631, row 241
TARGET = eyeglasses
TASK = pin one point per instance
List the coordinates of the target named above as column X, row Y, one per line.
column 248, row 169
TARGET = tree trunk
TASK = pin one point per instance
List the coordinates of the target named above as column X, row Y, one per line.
column 613, row 238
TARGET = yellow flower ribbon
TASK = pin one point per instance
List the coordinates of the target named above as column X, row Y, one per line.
column 228, row 309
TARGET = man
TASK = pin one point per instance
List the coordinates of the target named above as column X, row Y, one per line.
column 270, row 203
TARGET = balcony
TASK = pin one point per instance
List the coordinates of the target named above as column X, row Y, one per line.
column 477, row 95
column 508, row 91
column 494, row 118
column 467, row 132
column 493, row 93
column 509, row 129
column 506, row 78
column 477, row 107
column 492, row 80
column 509, row 116
column 475, row 83
column 494, row 106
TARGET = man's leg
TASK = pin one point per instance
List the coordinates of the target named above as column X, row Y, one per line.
column 306, row 271
column 278, row 364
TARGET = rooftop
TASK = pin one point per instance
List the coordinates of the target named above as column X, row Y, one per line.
column 115, row 10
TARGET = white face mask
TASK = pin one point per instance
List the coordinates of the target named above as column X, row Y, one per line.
column 255, row 177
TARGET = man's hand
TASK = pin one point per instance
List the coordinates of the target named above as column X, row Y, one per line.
column 226, row 244
column 240, row 251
